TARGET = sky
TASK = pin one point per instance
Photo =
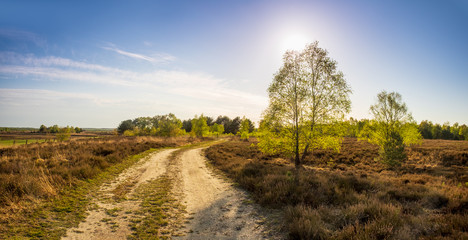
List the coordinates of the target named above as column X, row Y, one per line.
column 97, row 63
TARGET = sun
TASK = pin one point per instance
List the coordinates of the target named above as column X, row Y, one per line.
column 295, row 42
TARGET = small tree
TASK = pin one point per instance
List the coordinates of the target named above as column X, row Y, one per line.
column 217, row 129
column 42, row 129
column 126, row 125
column 63, row 134
column 392, row 128
column 199, row 126
column 78, row 130
column 244, row 129
column 54, row 129
column 233, row 125
column 187, row 125
column 463, row 132
column 425, row 129
column 169, row 126
column 308, row 96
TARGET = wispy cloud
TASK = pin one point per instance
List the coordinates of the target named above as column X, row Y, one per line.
column 12, row 58
column 23, row 36
column 187, row 88
column 155, row 58
column 129, row 54
column 38, row 97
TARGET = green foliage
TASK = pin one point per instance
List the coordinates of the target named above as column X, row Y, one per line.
column 308, row 96
column 392, row 128
column 425, row 128
column 161, row 125
column 393, row 150
column 230, row 125
column 63, row 135
column 245, row 136
column 126, row 125
column 53, row 129
column 245, row 125
column 463, row 131
column 199, row 126
column 129, row 133
column 42, row 129
column 217, row 129
column 245, row 129
column 187, row 125
column 168, row 126
column 281, row 140
column 436, row 131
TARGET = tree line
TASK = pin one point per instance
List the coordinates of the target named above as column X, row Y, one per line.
column 200, row 126
column 57, row 129
column 430, row 130
column 427, row 129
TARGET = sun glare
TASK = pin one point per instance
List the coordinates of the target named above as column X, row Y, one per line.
column 294, row 42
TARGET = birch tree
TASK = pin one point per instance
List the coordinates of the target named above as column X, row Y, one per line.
column 308, row 96
column 392, row 128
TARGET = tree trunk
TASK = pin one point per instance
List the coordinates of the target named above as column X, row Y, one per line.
column 306, row 150
column 297, row 160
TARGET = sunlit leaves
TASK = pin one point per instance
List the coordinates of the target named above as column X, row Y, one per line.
column 161, row 125
column 307, row 97
column 392, row 128
column 199, row 126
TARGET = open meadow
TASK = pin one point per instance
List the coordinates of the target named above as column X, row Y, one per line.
column 45, row 187
column 349, row 195
column 16, row 138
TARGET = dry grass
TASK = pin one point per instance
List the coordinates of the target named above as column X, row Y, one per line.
column 348, row 195
column 56, row 172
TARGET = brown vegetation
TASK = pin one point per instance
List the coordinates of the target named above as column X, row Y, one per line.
column 35, row 172
column 350, row 195
column 38, row 135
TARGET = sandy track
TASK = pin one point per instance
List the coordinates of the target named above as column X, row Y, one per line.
column 110, row 219
column 216, row 210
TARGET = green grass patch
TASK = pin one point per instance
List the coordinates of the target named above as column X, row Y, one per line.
column 16, row 142
column 155, row 196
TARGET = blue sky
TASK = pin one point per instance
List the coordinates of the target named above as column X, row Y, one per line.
column 96, row 63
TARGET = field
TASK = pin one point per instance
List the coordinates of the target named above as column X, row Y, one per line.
column 9, row 139
column 47, row 185
column 350, row 195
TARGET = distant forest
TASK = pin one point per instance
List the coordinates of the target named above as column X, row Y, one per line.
column 427, row 129
column 352, row 127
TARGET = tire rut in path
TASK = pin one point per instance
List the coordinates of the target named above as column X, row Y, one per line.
column 215, row 209
column 110, row 219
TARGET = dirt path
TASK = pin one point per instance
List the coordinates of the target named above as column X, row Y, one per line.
column 113, row 210
column 214, row 208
